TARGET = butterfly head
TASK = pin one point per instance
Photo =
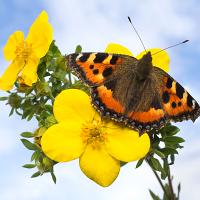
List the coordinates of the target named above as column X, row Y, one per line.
column 144, row 66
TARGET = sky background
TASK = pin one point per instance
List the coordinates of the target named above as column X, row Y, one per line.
column 94, row 24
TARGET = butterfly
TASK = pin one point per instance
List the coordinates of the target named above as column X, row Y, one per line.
column 133, row 91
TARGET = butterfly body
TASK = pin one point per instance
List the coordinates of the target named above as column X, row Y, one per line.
column 133, row 91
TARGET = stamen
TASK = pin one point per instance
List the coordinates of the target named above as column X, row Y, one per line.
column 23, row 50
column 93, row 133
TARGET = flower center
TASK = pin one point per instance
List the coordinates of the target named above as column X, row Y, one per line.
column 93, row 133
column 23, row 50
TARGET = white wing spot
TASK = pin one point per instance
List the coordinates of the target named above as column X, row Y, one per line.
column 193, row 104
column 77, row 58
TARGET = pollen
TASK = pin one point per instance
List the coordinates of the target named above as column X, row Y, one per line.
column 93, row 133
column 23, row 51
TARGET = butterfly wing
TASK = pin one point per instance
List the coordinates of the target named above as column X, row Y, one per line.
column 178, row 104
column 95, row 68
column 108, row 73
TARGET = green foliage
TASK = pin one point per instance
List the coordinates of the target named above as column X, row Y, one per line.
column 37, row 102
column 154, row 197
column 164, row 147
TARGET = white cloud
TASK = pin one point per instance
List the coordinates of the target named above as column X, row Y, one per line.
column 94, row 24
column 7, row 143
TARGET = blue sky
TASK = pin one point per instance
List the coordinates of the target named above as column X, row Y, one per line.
column 94, row 24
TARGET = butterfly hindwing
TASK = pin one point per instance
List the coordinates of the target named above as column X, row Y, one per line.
column 109, row 106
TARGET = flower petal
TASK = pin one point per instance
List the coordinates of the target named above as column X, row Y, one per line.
column 160, row 60
column 13, row 41
column 62, row 142
column 99, row 166
column 40, row 35
column 29, row 72
column 118, row 49
column 9, row 77
column 125, row 144
column 73, row 104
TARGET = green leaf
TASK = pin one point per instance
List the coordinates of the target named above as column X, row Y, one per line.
column 159, row 153
column 29, row 166
column 49, row 108
column 27, row 134
column 167, row 151
column 122, row 163
column 171, row 130
column 166, row 166
column 139, row 163
column 154, row 163
column 36, row 174
column 179, row 189
column 11, row 112
column 3, row 98
column 172, row 157
column 35, row 156
column 174, row 139
column 30, row 115
column 29, row 145
column 154, row 197
column 53, row 177
column 78, row 49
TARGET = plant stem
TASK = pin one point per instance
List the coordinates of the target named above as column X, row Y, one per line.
column 70, row 78
column 159, row 180
column 170, row 185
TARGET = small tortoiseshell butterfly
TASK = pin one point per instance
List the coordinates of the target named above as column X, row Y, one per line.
column 133, row 91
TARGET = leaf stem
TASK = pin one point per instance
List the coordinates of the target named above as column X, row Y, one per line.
column 170, row 184
column 158, row 178
column 70, row 79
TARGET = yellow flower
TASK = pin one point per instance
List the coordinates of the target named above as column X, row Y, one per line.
column 160, row 60
column 25, row 54
column 81, row 133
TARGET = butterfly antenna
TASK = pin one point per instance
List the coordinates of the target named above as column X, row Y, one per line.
column 171, row 47
column 129, row 19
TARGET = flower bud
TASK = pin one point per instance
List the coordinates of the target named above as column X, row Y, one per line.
column 14, row 100
column 42, row 88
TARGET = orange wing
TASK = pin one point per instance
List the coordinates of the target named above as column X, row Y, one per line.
column 94, row 68
column 178, row 104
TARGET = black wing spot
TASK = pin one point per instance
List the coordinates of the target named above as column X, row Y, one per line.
column 100, row 57
column 107, row 71
column 173, row 104
column 179, row 104
column 179, row 90
column 91, row 66
column 95, row 71
column 165, row 97
column 113, row 60
column 169, row 83
column 84, row 57
column 189, row 100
